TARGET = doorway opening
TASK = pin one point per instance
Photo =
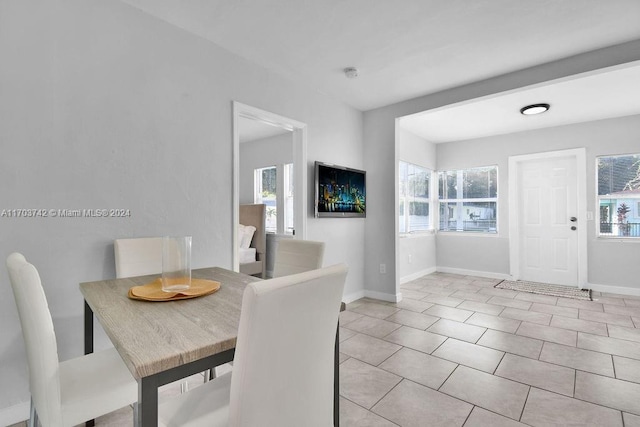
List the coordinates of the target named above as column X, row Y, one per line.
column 289, row 211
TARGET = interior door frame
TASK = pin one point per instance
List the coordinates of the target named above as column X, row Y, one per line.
column 299, row 132
column 579, row 154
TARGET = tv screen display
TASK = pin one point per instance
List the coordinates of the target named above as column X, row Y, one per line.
column 340, row 191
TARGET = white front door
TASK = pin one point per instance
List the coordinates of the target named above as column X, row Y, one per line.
column 547, row 210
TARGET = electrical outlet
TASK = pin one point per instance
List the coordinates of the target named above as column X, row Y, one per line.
column 409, row 258
column 383, row 269
column 589, row 216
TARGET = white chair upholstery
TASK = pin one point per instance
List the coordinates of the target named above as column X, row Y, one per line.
column 141, row 256
column 76, row 390
column 284, row 360
column 292, row 257
column 138, row 256
column 296, row 256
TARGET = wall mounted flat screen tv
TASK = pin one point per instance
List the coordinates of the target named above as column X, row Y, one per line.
column 340, row 191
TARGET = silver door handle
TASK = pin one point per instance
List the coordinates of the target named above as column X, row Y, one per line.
column 573, row 219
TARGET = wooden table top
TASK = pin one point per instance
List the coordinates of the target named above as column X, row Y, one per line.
column 152, row 337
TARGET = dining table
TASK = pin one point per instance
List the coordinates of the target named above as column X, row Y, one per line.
column 162, row 342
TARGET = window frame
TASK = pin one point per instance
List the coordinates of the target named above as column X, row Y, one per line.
column 460, row 173
column 406, row 201
column 611, row 207
column 284, row 182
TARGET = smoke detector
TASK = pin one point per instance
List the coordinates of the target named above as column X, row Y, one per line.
column 351, row 72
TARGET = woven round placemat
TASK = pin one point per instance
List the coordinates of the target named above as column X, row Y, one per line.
column 153, row 291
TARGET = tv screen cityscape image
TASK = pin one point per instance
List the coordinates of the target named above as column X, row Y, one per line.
column 341, row 191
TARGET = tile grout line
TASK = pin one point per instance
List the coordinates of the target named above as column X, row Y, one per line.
column 539, row 353
column 525, row 404
column 447, row 379
column 586, row 401
column 369, row 410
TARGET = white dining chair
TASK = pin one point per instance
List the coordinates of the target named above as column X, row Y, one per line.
column 284, row 359
column 292, row 257
column 68, row 393
column 296, row 256
column 138, row 256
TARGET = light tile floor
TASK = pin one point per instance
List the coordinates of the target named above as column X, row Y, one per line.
column 458, row 352
column 472, row 355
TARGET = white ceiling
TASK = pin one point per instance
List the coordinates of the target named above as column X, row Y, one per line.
column 403, row 49
column 600, row 95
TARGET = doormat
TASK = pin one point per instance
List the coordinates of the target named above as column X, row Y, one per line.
column 546, row 289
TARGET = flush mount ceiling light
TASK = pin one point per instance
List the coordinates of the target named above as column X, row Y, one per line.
column 530, row 110
column 351, row 72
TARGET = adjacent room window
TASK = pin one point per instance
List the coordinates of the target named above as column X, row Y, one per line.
column 619, row 195
column 288, row 198
column 414, row 198
column 468, row 199
column 273, row 186
column 266, row 191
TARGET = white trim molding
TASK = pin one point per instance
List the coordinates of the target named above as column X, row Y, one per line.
column 612, row 289
column 383, row 296
column 354, row 296
column 464, row 272
column 299, row 131
column 417, row 275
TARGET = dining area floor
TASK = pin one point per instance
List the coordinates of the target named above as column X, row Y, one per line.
column 458, row 352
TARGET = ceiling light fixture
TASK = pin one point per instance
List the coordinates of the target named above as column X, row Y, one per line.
column 533, row 109
column 351, row 72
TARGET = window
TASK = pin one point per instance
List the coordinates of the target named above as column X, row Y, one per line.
column 288, row 198
column 277, row 195
column 468, row 199
column 414, row 198
column 266, row 191
column 619, row 195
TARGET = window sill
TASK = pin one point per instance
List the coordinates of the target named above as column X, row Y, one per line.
column 618, row 239
column 415, row 234
column 468, row 233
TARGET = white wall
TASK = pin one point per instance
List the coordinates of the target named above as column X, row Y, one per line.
column 103, row 106
column 416, row 252
column 261, row 153
column 610, row 261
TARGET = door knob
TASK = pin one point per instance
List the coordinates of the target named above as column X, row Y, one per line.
column 573, row 227
column 573, row 219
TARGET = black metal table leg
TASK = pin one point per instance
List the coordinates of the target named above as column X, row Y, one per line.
column 88, row 329
column 148, row 401
column 148, row 386
column 336, row 380
column 88, row 341
column 336, row 373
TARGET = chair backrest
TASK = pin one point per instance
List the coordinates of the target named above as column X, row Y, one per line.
column 284, row 360
column 39, row 338
column 138, row 256
column 296, row 256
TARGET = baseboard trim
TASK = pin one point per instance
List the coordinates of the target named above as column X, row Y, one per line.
column 14, row 414
column 417, row 275
column 464, row 272
column 382, row 296
column 354, row 296
column 612, row 289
